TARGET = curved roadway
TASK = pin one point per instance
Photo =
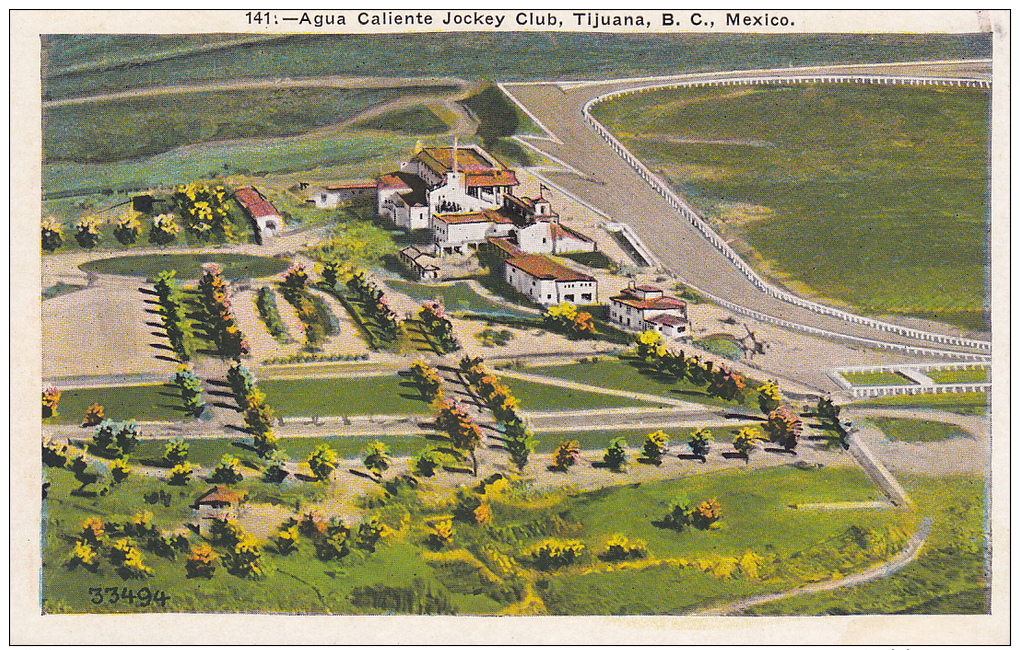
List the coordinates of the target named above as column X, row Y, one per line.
column 612, row 186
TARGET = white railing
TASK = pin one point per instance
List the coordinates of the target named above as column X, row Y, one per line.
column 696, row 220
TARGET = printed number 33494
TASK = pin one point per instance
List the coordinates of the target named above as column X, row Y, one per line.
column 141, row 598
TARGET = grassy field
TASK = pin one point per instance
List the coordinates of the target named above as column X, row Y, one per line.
column 962, row 403
column 872, row 196
column 457, row 297
column 629, row 374
column 917, row 430
column 109, row 131
column 348, row 151
column 966, row 376
column 188, row 266
column 325, row 397
column 503, row 56
column 877, row 379
column 948, row 578
column 473, row 575
column 413, row 121
column 148, row 402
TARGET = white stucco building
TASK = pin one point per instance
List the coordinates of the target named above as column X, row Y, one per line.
column 645, row 307
column 549, row 283
column 345, row 192
column 443, row 180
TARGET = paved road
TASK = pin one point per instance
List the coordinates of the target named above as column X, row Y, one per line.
column 612, row 186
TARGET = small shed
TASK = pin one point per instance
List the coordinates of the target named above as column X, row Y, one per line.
column 216, row 503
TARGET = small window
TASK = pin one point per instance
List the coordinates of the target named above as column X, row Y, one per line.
column 586, row 296
column 569, row 297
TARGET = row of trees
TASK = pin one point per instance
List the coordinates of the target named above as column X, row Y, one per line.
column 719, row 382
column 293, row 287
column 88, row 231
column 173, row 315
column 258, row 416
column 515, row 437
column 219, row 321
column 437, row 326
column 373, row 300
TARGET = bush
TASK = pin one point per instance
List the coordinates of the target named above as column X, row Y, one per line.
column 566, row 455
column 164, row 230
column 706, row 513
column 442, row 534
column 743, row 442
column 191, row 390
column 377, row 458
column 128, row 559
column 50, row 398
column 700, row 442
column 176, row 451
column 620, row 548
column 245, row 558
column 322, row 462
column 53, row 454
column 655, row 447
column 93, row 416
column 86, row 232
column 683, row 514
column 84, row 555
column 127, row 229
column 783, row 428
column 428, row 460
column 566, row 319
column 769, row 398
column 556, row 553
column 616, row 454
column 52, row 239
column 114, row 439
column 201, row 562
column 119, row 470
column 269, row 312
column 92, row 531
column 273, row 471
column 180, row 474
column 228, row 471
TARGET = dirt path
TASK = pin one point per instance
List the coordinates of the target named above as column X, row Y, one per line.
column 884, row 570
column 564, row 383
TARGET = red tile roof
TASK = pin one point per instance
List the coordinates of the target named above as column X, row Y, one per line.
column 504, row 243
column 253, row 201
column 664, row 302
column 490, row 178
column 540, row 266
column 440, row 159
column 216, row 495
column 483, row 216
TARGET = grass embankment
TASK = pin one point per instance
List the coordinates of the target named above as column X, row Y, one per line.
column 962, row 403
column 876, row 379
column 630, row 374
column 146, row 402
column 418, row 120
column 948, row 577
column 918, row 430
column 965, row 376
column 188, row 265
column 488, row 568
column 116, row 130
column 874, row 196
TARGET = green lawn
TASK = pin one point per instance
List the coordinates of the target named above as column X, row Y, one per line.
column 871, row 195
column 965, row 376
column 457, row 297
column 947, row 578
column 917, row 430
column 628, row 374
column 963, row 403
column 319, row 396
column 147, row 402
column 877, row 379
column 189, row 265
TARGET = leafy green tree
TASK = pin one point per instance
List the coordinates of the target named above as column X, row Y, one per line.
column 460, row 428
column 228, row 471
column 52, row 237
column 700, row 442
column 127, row 229
column 616, row 454
column 743, row 442
column 191, row 390
column 175, row 451
column 180, row 474
column 377, row 458
column 648, row 345
column 273, row 471
column 566, row 455
column 769, row 398
column 426, row 381
column 783, row 428
column 86, row 232
column 655, row 446
column 322, row 462
column 426, row 462
column 201, row 562
column 518, row 441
